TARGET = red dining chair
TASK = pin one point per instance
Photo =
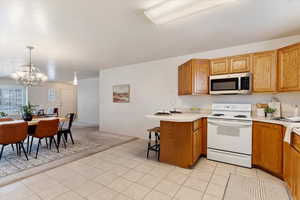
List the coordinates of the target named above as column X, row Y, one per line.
column 6, row 119
column 45, row 129
column 13, row 133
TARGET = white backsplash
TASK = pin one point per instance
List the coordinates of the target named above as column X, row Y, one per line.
column 288, row 101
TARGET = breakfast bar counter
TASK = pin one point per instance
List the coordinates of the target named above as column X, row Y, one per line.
column 181, row 138
column 181, row 117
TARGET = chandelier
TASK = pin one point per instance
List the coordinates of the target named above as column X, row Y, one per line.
column 29, row 75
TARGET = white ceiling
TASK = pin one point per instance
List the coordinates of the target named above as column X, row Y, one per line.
column 86, row 35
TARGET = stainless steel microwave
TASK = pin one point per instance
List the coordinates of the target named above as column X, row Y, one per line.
column 231, row 84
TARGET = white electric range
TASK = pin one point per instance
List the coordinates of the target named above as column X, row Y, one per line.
column 229, row 134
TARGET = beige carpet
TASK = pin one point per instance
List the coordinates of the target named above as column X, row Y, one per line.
column 248, row 188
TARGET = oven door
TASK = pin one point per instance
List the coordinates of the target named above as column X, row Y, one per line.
column 224, row 85
column 230, row 135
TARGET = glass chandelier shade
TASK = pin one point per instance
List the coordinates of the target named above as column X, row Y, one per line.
column 29, row 75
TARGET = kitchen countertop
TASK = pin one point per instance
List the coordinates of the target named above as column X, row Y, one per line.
column 182, row 117
column 190, row 117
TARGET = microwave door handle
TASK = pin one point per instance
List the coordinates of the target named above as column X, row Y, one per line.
column 240, row 83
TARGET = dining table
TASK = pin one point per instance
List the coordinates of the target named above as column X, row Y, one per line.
column 34, row 122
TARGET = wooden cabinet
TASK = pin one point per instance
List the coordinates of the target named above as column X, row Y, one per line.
column 185, row 79
column 267, row 149
column 180, row 142
column 264, row 71
column 239, row 64
column 204, row 136
column 219, row 66
column 291, row 168
column 196, row 145
column 289, row 68
column 193, row 77
column 197, row 141
column 229, row 65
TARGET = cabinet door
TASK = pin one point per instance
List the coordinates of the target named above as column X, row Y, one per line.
column 185, row 79
column 268, row 147
column 287, row 165
column 176, row 142
column 204, row 136
column 196, row 145
column 239, row 64
column 219, row 66
column 200, row 74
column 296, row 174
column 264, row 72
column 289, row 68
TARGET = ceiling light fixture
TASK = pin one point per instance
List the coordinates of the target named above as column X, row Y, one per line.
column 75, row 80
column 174, row 9
column 29, row 75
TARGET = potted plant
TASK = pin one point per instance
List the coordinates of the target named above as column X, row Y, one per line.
column 3, row 114
column 27, row 112
column 269, row 112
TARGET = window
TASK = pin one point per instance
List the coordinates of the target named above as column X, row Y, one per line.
column 11, row 99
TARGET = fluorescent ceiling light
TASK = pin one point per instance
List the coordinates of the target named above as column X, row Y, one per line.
column 174, row 9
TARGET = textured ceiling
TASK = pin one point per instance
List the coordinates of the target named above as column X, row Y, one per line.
column 84, row 36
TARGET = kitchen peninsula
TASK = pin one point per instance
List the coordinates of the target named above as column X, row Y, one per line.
column 182, row 138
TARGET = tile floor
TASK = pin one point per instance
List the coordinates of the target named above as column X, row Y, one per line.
column 123, row 173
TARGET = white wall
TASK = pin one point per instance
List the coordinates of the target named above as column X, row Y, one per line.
column 154, row 87
column 66, row 96
column 88, row 101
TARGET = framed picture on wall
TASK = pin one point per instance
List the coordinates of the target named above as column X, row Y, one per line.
column 52, row 93
column 121, row 93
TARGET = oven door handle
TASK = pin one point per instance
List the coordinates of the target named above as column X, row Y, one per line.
column 229, row 124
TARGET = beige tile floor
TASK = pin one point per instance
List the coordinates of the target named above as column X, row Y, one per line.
column 123, row 173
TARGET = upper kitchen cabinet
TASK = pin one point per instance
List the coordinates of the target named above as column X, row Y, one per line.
column 239, row 64
column 264, row 71
column 193, row 77
column 185, row 79
column 289, row 68
column 230, row 65
column 219, row 66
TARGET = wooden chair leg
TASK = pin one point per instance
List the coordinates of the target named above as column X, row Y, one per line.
column 12, row 146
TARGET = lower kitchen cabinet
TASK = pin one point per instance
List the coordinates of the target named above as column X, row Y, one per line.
column 197, row 141
column 181, row 142
column 291, row 168
column 267, row 147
